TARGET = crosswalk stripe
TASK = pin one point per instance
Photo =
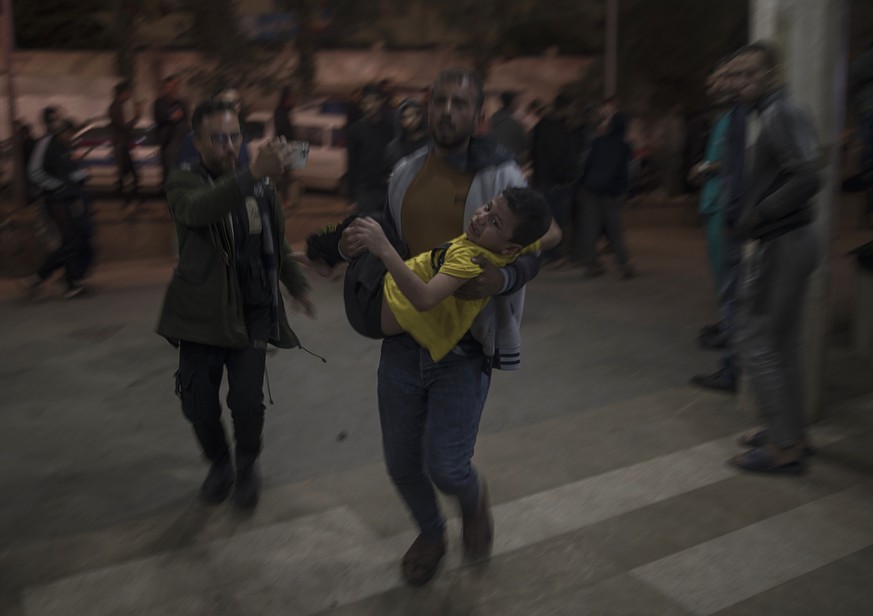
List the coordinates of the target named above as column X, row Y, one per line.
column 289, row 565
column 718, row 573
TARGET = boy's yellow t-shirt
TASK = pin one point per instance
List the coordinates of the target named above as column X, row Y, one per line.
column 440, row 328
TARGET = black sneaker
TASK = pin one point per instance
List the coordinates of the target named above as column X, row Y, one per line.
column 718, row 380
column 248, row 486
column 712, row 340
column 216, row 486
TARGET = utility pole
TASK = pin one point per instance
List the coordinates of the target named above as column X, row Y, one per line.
column 8, row 48
column 611, row 55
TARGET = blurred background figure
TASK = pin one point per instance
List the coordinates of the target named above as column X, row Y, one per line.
column 861, row 76
column 59, row 178
column 368, row 139
column 123, row 116
column 506, row 129
column 604, row 186
column 171, row 117
column 410, row 132
column 283, row 124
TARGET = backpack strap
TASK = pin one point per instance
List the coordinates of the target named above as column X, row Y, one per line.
column 438, row 256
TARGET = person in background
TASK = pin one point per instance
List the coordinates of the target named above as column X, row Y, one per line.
column 604, row 186
column 283, row 126
column 783, row 175
column 123, row 116
column 506, row 129
column 171, row 118
column 367, row 141
column 53, row 171
column 410, row 132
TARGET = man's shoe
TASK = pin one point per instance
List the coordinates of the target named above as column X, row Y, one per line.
column 31, row 285
column 713, row 340
column 421, row 560
column 717, row 380
column 478, row 528
column 216, row 486
column 628, row 272
column 78, row 291
column 248, row 486
column 708, row 330
column 594, row 271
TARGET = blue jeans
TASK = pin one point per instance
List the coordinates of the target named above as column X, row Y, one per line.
column 430, row 414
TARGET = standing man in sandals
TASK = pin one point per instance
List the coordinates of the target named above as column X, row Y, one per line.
column 782, row 177
column 430, row 410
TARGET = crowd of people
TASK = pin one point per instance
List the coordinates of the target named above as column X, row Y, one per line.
column 444, row 238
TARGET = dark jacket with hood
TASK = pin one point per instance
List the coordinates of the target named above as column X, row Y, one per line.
column 782, row 176
column 606, row 168
column 204, row 302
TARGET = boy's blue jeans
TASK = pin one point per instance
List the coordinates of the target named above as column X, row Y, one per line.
column 430, row 414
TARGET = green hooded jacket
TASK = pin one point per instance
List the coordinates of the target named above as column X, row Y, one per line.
column 203, row 302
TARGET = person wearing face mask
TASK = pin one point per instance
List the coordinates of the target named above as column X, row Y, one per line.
column 223, row 305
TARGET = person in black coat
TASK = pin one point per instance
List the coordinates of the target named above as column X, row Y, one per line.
column 604, row 184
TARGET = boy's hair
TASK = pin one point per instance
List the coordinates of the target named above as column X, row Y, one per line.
column 208, row 107
column 532, row 212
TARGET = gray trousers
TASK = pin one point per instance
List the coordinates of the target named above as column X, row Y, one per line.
column 602, row 213
column 772, row 290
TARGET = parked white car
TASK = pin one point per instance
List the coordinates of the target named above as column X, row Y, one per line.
column 93, row 142
column 325, row 134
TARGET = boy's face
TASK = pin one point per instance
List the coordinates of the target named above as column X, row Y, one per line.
column 493, row 226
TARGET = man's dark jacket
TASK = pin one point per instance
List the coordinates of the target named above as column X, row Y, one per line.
column 606, row 168
column 203, row 302
column 783, row 176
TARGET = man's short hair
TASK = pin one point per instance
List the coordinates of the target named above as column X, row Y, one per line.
column 372, row 89
column 507, row 98
column 48, row 114
column 207, row 108
column 223, row 87
column 532, row 213
column 766, row 50
column 562, row 101
column 461, row 76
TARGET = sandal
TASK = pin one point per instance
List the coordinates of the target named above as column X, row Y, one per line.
column 760, row 437
column 757, row 460
column 422, row 559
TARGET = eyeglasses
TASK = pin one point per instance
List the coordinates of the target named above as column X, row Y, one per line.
column 222, row 139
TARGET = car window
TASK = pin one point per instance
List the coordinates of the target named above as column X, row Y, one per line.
column 254, row 129
column 313, row 134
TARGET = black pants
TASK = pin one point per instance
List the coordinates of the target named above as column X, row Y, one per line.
column 126, row 168
column 197, row 383
column 75, row 254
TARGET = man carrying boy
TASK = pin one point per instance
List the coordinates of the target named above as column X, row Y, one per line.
column 430, row 415
column 417, row 294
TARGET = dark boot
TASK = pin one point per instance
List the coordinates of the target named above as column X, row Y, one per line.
column 216, row 486
column 248, row 484
column 719, row 380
